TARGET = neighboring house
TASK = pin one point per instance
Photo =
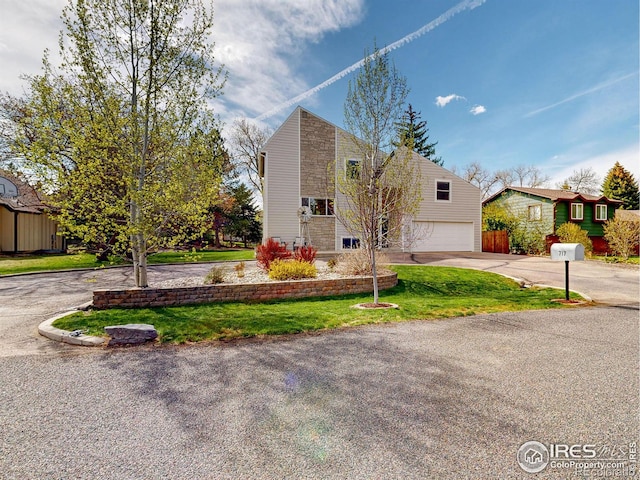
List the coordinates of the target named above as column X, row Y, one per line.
column 552, row 208
column 299, row 168
column 24, row 225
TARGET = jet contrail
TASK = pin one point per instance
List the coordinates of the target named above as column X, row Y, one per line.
column 581, row 94
column 465, row 5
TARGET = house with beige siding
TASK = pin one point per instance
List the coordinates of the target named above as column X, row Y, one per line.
column 24, row 224
column 298, row 165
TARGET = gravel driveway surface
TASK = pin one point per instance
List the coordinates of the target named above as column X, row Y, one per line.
column 440, row 399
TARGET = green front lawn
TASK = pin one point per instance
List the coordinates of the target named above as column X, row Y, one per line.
column 41, row 263
column 202, row 256
column 422, row 293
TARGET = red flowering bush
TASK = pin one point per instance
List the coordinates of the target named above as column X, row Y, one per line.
column 306, row 254
column 270, row 251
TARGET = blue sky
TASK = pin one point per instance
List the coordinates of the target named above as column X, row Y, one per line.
column 552, row 83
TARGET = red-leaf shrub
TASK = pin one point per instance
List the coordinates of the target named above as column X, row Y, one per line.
column 306, row 254
column 269, row 251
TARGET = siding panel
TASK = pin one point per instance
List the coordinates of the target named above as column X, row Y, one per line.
column 465, row 204
column 282, row 175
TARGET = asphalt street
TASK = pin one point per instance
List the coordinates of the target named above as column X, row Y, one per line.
column 440, row 399
column 443, row 399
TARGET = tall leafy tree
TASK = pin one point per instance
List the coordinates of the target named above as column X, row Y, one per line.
column 413, row 133
column 128, row 136
column 620, row 184
column 383, row 188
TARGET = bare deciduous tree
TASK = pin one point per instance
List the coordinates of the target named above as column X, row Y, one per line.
column 477, row 175
column 583, row 180
column 247, row 140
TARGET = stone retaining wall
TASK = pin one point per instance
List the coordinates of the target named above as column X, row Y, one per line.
column 164, row 297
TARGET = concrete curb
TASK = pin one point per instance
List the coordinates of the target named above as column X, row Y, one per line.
column 47, row 330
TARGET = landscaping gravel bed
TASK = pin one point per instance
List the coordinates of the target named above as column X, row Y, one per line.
column 252, row 274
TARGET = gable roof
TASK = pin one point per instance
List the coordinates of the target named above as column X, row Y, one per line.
column 298, row 110
column 554, row 195
column 28, row 200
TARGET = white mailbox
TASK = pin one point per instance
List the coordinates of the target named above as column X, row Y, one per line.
column 568, row 252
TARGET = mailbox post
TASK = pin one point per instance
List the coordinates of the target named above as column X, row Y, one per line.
column 568, row 252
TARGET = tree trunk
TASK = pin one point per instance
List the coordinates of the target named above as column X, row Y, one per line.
column 138, row 250
column 374, row 274
column 142, row 266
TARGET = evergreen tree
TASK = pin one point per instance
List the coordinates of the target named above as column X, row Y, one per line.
column 620, row 184
column 413, row 130
column 242, row 219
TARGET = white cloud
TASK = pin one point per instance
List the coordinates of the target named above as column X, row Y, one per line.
column 478, row 109
column 443, row 101
column 258, row 41
column 262, row 55
column 26, row 29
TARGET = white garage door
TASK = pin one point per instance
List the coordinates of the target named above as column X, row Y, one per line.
column 443, row 237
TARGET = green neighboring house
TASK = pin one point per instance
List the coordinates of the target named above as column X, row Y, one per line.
column 552, row 208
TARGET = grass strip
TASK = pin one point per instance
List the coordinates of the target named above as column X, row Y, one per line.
column 49, row 262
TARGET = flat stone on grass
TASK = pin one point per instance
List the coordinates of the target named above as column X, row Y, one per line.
column 131, row 334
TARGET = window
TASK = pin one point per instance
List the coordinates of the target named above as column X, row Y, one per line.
column 262, row 160
column 349, row 243
column 535, row 212
column 318, row 206
column 352, row 168
column 601, row 213
column 443, row 191
column 577, row 211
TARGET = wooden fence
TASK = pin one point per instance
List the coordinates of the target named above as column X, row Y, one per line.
column 495, row 242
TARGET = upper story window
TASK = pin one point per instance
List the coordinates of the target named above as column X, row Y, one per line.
column 535, row 212
column 443, row 191
column 318, row 206
column 601, row 213
column 352, row 168
column 577, row 211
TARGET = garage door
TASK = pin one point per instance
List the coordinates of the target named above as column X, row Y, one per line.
column 443, row 237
